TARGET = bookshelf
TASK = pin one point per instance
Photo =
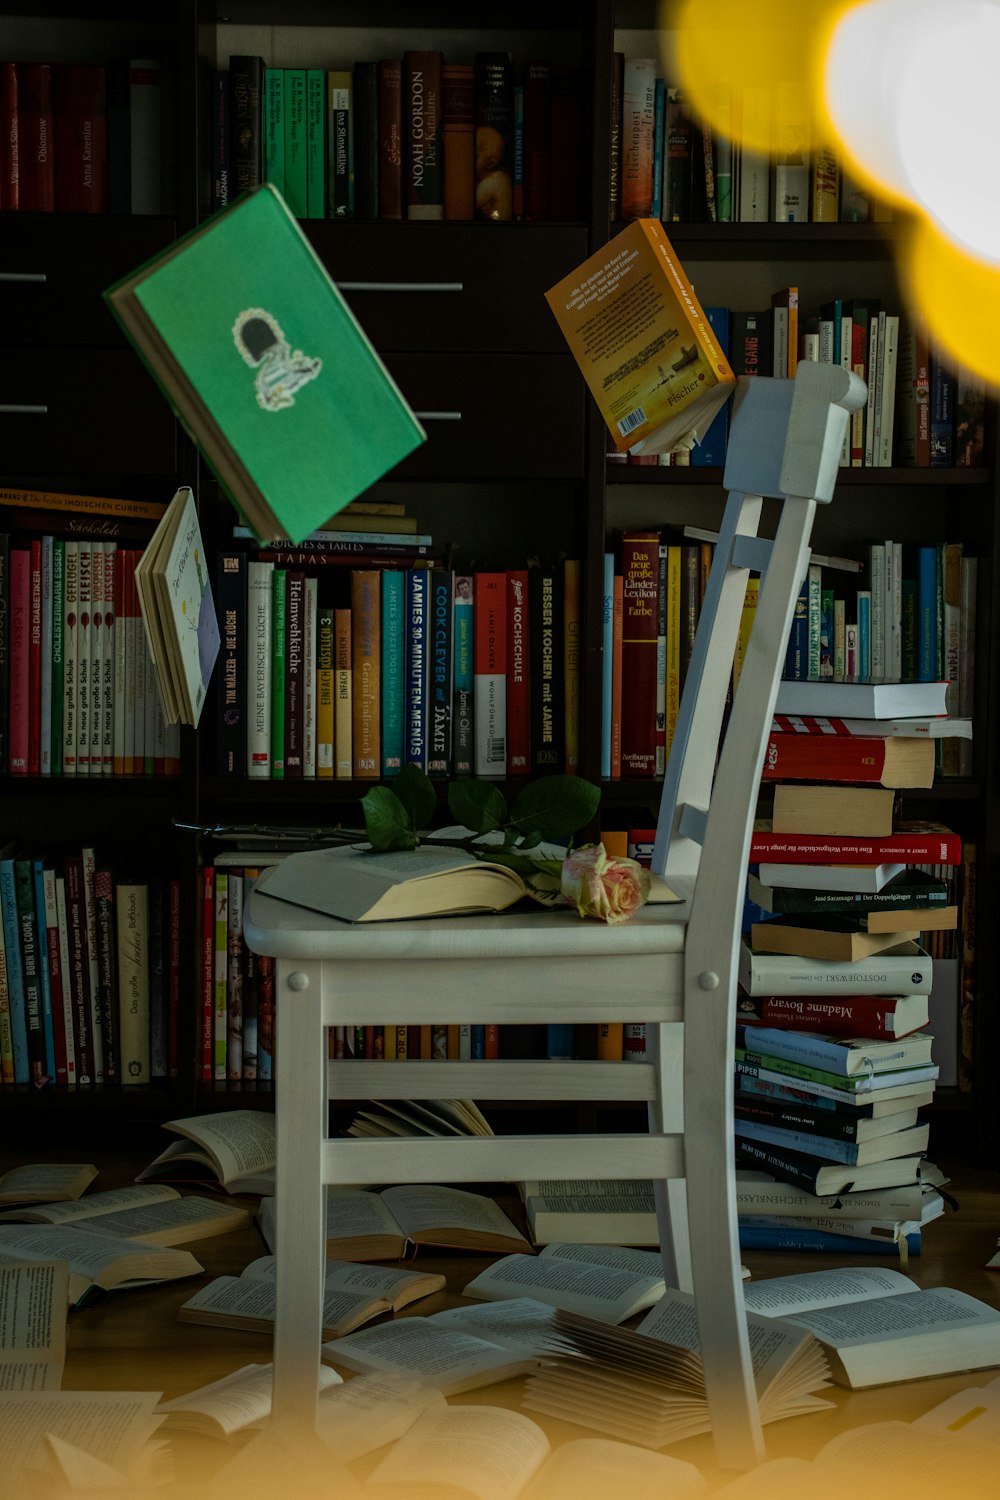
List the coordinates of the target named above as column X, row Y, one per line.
column 520, row 471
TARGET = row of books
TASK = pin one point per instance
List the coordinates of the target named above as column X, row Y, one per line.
column 923, row 410
column 353, row 672
column 913, row 622
column 414, row 137
column 81, row 137
column 89, row 971
column 235, row 1040
column 668, row 163
column 79, row 695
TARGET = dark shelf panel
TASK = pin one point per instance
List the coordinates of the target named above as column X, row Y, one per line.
column 879, row 478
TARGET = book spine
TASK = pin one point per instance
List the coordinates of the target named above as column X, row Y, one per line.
column 35, row 138
column 439, row 750
column 265, row 1017
column 863, row 1015
column 757, row 1235
column 146, row 136
column 107, row 971
column 462, row 627
column 638, row 109
column 944, row 848
column 572, row 604
column 607, row 661
column 231, row 729
column 841, row 758
column 295, row 587
column 366, row 632
column 339, row 136
column 829, row 1149
column 458, row 140
column 278, row 649
column 220, row 966
column 79, row 970
column 640, row 583
column 364, row 101
column 234, row 977
column 8, row 136
column 490, row 674
column 537, row 141
column 423, row 129
column 251, row 992
column 518, row 683
column 15, row 972
column 325, row 692
column 389, row 83
column 545, row 615
column 132, row 922
column 79, row 104
column 52, row 1062
column 343, row 711
column 494, row 158
column 206, row 940
column 779, row 1163
column 246, row 124
column 88, row 869
column 218, row 135
column 46, row 655
column 98, row 563
column 19, row 616
column 35, row 659
column 309, row 683
column 317, row 175
column 393, row 665
column 66, row 1004
column 832, row 1057
column 52, row 969
column 260, row 609
column 27, row 925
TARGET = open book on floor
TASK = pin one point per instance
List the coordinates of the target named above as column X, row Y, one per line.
column 647, row 1386
column 382, row 1117
column 45, row 1182
column 364, row 1225
column 439, row 1351
column 96, row 1262
column 493, row 1453
column 603, row 1281
column 232, row 1149
column 227, row 1406
column 878, row 1327
column 353, row 1294
column 153, row 1215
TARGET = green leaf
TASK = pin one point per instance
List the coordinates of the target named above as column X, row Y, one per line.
column 555, row 806
column 415, row 791
column 478, row 805
column 387, row 821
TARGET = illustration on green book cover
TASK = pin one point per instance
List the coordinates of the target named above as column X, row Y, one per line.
column 267, row 366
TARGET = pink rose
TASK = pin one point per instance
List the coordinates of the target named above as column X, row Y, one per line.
column 603, row 885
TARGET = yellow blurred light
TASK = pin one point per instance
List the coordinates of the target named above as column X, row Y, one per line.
column 958, row 292
column 769, row 41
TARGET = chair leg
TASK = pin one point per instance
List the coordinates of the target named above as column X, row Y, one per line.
column 300, row 1081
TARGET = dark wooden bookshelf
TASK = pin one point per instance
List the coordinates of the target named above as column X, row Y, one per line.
column 525, row 472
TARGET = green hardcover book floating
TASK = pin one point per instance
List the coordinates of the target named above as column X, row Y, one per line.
column 267, row 367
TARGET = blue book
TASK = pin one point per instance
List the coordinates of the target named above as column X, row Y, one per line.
column 393, row 674
column 417, row 663
column 763, row 1236
column 927, row 615
column 15, row 972
column 864, row 635
column 830, row 1148
column 24, row 888
column 607, row 661
column 478, row 1043
column 462, row 677
column 38, row 870
column 559, row 1039
column 439, row 722
column 710, row 449
column 659, row 131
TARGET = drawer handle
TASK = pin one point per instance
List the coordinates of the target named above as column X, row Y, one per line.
column 23, row 276
column 400, row 286
column 438, row 416
column 14, row 409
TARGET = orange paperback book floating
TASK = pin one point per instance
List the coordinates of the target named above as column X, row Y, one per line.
column 636, row 329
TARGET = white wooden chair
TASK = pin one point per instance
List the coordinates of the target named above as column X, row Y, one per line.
column 672, row 967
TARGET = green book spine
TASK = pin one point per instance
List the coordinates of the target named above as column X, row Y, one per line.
column 316, row 175
column 274, row 128
column 751, row 1062
column 278, row 677
column 58, row 605
column 296, row 181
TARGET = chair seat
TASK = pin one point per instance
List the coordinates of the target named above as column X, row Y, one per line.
column 538, row 964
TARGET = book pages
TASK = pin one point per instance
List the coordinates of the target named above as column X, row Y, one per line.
column 33, row 1300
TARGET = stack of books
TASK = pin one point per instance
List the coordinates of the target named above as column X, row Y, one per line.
column 832, row 1059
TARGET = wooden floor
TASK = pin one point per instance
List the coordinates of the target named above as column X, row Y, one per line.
column 133, row 1340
